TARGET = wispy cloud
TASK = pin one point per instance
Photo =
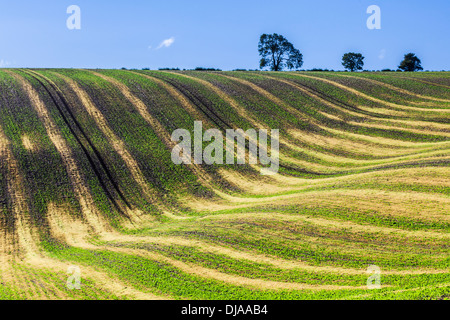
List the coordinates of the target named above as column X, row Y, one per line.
column 166, row 43
column 4, row 63
column 382, row 54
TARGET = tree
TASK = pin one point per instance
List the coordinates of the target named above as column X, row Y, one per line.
column 410, row 63
column 276, row 52
column 353, row 61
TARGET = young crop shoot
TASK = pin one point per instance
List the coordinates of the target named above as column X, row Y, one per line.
column 236, row 140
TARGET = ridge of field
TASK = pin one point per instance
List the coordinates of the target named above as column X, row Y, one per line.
column 87, row 179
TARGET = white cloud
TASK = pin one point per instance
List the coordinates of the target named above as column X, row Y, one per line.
column 382, row 54
column 166, row 43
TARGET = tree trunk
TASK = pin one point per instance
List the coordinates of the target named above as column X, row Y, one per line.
column 275, row 67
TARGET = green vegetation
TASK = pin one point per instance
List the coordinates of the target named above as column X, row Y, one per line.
column 87, row 179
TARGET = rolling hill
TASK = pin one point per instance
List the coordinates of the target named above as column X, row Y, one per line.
column 87, row 180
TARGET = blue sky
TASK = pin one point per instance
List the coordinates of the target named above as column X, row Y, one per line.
column 220, row 34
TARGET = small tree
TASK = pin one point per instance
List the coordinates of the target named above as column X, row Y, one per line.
column 276, row 52
column 410, row 63
column 353, row 61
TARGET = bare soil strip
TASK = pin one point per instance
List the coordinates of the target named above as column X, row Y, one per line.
column 29, row 144
column 240, row 110
column 83, row 140
column 382, row 140
column 357, row 147
column 427, row 176
column 240, row 254
column 294, row 111
column 100, row 279
column 74, row 233
column 228, row 278
column 341, row 224
column 334, row 106
column 17, row 244
column 13, row 260
column 191, row 109
column 141, row 107
column 185, row 103
column 365, row 96
column 81, row 190
column 117, row 144
column 416, row 205
column 158, row 128
column 16, row 189
column 271, row 97
column 427, row 82
column 401, row 90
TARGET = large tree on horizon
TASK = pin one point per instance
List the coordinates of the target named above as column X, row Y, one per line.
column 276, row 53
column 410, row 63
column 353, row 61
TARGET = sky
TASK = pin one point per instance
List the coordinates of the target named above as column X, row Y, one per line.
column 219, row 34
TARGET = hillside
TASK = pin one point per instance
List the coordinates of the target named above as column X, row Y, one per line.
column 87, row 180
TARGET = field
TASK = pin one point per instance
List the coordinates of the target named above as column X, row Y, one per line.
column 87, row 180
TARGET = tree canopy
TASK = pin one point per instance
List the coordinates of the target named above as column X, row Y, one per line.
column 277, row 53
column 410, row 63
column 353, row 61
